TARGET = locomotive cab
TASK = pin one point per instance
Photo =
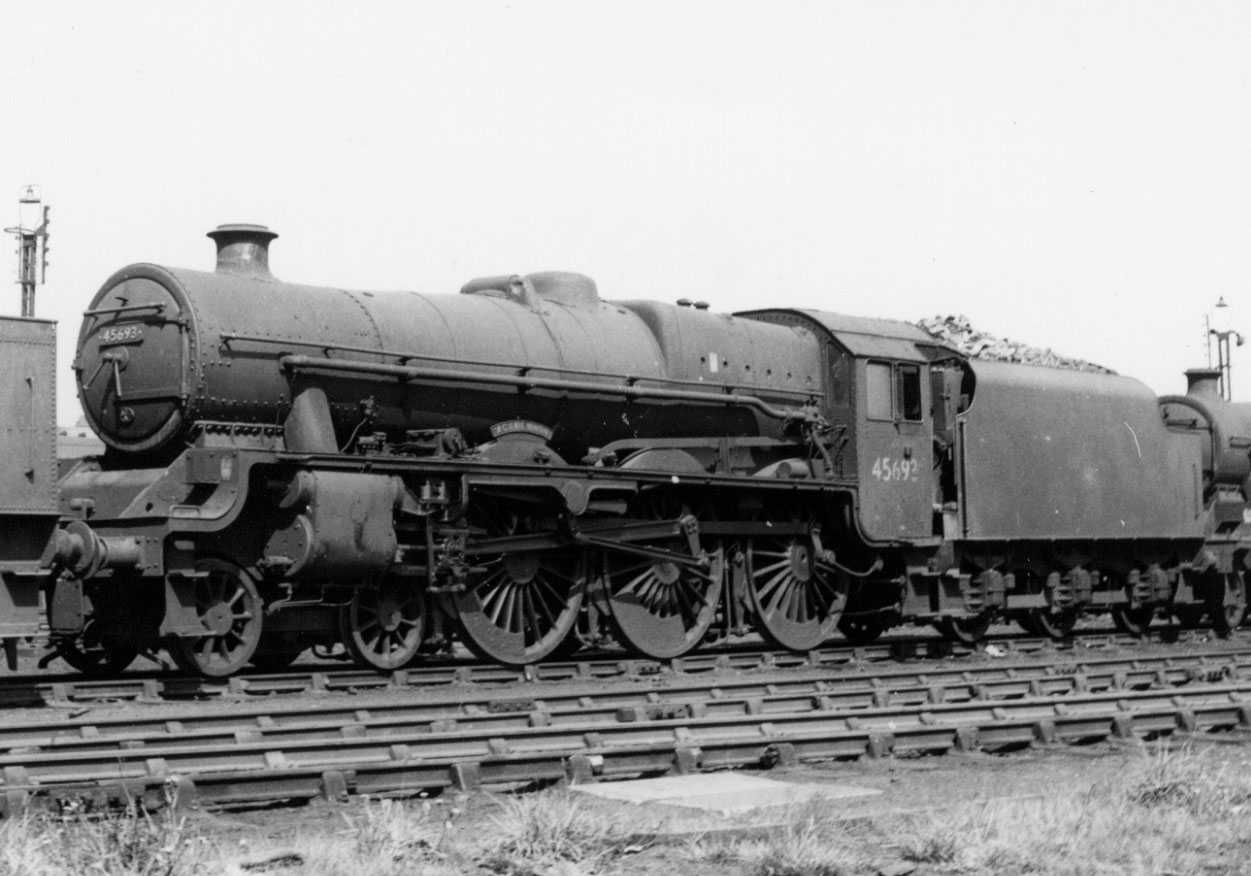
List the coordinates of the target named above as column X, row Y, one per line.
column 896, row 392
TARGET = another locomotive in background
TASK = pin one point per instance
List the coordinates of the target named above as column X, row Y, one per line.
column 529, row 469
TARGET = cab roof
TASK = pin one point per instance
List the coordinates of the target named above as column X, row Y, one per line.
column 869, row 337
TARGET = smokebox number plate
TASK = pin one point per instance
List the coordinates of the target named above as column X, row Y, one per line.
column 121, row 334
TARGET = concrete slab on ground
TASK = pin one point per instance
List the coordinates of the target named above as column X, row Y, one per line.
column 720, row 792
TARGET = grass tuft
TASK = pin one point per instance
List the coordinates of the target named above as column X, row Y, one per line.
column 132, row 842
column 535, row 833
column 810, row 842
column 1174, row 812
column 1187, row 780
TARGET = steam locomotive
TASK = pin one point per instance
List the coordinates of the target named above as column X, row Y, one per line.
column 529, row 469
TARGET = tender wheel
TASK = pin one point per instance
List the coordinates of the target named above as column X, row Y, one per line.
column 1132, row 621
column 1054, row 625
column 1189, row 617
column 383, row 627
column 1025, row 620
column 965, row 630
column 230, row 608
column 861, row 629
column 523, row 606
column 797, row 600
column 1235, row 600
column 91, row 655
column 660, row 608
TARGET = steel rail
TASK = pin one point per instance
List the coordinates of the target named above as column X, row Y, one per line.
column 541, row 705
column 253, row 770
column 38, row 689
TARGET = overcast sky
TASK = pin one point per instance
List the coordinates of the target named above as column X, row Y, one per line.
column 1074, row 175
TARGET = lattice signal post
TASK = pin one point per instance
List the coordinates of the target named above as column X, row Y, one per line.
column 31, row 232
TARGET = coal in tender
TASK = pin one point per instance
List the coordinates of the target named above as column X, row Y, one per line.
column 959, row 333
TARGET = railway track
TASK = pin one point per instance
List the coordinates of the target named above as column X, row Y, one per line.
column 217, row 756
column 41, row 688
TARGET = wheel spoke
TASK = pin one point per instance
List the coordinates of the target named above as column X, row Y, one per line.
column 535, row 598
column 499, row 603
column 503, row 613
column 697, row 593
column 661, row 608
column 569, row 578
column 552, row 596
column 679, row 604
column 532, row 617
column 776, row 591
column 489, row 583
column 516, row 616
column 629, row 570
column 542, row 590
column 764, row 570
column 796, row 597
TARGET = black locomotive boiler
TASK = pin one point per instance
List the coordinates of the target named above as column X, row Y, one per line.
column 528, row 468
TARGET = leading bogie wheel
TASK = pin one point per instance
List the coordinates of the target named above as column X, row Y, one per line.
column 796, row 600
column 522, row 606
column 383, row 627
column 230, row 608
column 662, row 608
column 92, row 654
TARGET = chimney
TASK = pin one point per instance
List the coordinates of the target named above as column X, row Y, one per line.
column 243, row 248
column 1204, row 382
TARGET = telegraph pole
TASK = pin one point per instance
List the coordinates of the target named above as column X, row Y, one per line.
column 32, row 235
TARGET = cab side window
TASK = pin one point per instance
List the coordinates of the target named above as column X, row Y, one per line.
column 908, row 391
column 878, row 405
column 893, row 391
